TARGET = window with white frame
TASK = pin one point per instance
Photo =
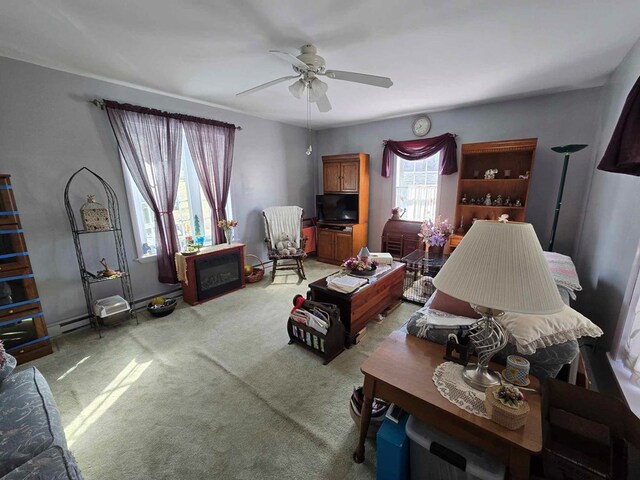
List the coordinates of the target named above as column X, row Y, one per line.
column 191, row 212
column 417, row 185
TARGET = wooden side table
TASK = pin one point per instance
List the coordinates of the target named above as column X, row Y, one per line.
column 400, row 370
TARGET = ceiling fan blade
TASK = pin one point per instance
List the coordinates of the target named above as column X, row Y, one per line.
column 265, row 85
column 374, row 80
column 323, row 104
column 289, row 58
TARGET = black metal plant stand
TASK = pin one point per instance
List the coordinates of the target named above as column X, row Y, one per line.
column 88, row 279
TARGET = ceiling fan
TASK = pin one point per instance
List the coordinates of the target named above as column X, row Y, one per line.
column 308, row 66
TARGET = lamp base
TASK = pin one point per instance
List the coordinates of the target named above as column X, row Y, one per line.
column 480, row 377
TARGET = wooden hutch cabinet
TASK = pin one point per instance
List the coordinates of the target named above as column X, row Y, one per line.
column 513, row 159
column 22, row 327
column 345, row 174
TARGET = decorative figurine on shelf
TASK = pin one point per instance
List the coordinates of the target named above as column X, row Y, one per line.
column 507, row 173
column 507, row 201
column 95, row 217
column 490, row 174
column 476, row 173
column 107, row 272
column 487, row 200
column 525, row 176
column 518, row 203
column 464, row 200
column 498, row 201
column 472, row 201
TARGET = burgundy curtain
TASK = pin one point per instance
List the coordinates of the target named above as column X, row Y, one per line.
column 422, row 148
column 150, row 145
column 211, row 148
column 623, row 153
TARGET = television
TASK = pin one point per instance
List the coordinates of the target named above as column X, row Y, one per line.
column 337, row 208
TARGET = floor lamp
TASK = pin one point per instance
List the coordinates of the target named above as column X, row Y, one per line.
column 567, row 150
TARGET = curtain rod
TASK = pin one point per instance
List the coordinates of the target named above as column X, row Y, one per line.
column 101, row 105
column 384, row 142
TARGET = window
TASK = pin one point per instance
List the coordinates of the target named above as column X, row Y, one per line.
column 190, row 203
column 417, row 183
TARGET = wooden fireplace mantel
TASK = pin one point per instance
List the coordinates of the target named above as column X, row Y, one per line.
column 189, row 281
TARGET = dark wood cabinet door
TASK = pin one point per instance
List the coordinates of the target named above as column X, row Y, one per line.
column 331, row 175
column 344, row 246
column 326, row 244
column 349, row 176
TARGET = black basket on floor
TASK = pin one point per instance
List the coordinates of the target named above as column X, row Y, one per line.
column 328, row 345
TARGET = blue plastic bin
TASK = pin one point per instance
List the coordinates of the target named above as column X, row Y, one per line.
column 392, row 450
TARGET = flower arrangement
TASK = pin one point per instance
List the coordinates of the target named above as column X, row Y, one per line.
column 227, row 224
column 356, row 265
column 398, row 212
column 436, row 233
column 510, row 396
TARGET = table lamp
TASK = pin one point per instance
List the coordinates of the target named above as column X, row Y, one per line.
column 498, row 267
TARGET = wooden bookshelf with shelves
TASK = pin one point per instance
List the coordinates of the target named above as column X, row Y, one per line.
column 509, row 157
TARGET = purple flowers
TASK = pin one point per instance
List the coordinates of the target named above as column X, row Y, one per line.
column 435, row 233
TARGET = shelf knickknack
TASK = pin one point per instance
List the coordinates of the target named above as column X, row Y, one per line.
column 97, row 218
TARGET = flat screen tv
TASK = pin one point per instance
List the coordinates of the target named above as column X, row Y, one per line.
column 337, row 208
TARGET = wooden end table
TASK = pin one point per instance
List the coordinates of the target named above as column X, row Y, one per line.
column 360, row 307
column 400, row 370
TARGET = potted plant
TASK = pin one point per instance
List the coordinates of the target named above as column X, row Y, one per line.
column 435, row 234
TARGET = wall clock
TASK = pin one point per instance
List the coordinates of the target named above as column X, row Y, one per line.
column 421, row 126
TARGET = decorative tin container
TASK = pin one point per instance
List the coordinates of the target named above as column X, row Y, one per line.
column 95, row 217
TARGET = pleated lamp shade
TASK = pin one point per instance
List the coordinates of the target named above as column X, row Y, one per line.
column 501, row 266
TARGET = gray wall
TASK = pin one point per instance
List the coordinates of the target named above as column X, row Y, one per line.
column 611, row 230
column 48, row 130
column 555, row 119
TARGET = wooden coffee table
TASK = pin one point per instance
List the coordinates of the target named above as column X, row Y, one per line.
column 400, row 370
column 360, row 307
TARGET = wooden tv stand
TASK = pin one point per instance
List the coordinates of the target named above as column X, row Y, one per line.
column 359, row 308
column 346, row 174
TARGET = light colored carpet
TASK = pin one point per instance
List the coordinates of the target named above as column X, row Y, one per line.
column 213, row 391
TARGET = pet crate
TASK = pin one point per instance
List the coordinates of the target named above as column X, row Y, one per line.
column 421, row 267
column 327, row 345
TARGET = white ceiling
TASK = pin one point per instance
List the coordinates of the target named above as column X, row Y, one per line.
column 440, row 54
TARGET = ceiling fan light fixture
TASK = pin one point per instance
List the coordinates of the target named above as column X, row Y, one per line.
column 317, row 89
column 297, row 88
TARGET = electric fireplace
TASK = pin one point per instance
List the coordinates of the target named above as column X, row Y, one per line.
column 213, row 272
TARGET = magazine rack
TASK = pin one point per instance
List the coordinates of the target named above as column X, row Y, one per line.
column 328, row 345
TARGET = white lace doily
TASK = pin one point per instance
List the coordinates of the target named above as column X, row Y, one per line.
column 448, row 380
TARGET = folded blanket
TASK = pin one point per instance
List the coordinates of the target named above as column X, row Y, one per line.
column 284, row 219
column 563, row 271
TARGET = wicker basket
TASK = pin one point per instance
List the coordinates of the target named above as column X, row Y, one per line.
column 258, row 271
column 511, row 418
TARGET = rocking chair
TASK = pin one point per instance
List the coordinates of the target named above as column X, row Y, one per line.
column 278, row 220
